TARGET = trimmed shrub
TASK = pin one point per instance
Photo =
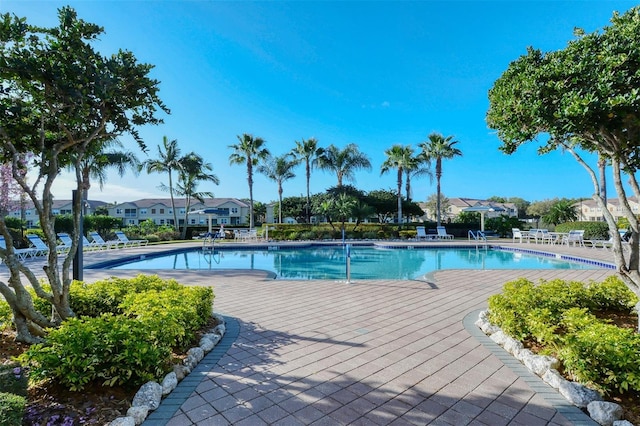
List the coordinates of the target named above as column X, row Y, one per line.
column 562, row 317
column 11, row 409
column 112, row 349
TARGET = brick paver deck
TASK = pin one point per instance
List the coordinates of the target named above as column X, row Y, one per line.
column 371, row 352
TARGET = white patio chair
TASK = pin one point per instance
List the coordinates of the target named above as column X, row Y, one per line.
column 101, row 242
column 421, row 233
column 42, row 247
column 574, row 237
column 21, row 253
column 122, row 237
column 442, row 233
column 517, row 234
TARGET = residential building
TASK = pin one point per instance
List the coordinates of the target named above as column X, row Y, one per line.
column 589, row 211
column 455, row 206
column 28, row 212
column 231, row 211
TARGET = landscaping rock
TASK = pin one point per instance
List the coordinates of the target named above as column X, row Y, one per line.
column 215, row 338
column 499, row 337
column 553, row 378
column 539, row 364
column 220, row 329
column 139, row 414
column 123, row 421
column 605, row 413
column 181, row 371
column 622, row 423
column 196, row 353
column 577, row 394
column 206, row 344
column 149, row 395
column 169, row 383
column 513, row 346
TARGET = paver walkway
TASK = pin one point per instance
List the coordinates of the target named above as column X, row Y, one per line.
column 372, row 352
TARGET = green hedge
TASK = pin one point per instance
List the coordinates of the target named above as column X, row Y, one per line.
column 123, row 334
column 562, row 317
column 592, row 230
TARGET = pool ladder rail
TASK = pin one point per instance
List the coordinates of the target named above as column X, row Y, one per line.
column 478, row 236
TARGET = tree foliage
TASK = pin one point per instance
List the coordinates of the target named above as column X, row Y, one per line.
column 59, row 99
column 584, row 98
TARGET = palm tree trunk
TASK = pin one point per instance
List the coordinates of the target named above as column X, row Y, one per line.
column 173, row 204
column 279, row 203
column 438, row 176
column 250, row 180
column 308, row 206
column 399, row 196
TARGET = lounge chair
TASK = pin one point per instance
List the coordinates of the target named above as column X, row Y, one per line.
column 67, row 241
column 42, row 248
column 442, row 233
column 122, row 237
column 421, row 234
column 97, row 239
column 22, row 254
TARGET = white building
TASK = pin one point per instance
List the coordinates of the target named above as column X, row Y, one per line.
column 30, row 215
column 159, row 210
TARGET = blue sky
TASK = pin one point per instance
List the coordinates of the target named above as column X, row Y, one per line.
column 370, row 73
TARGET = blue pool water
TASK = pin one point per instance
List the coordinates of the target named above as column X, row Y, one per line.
column 329, row 262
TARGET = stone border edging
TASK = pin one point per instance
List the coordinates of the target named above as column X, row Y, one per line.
column 557, row 401
column 172, row 403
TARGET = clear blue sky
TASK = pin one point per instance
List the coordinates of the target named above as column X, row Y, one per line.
column 370, row 73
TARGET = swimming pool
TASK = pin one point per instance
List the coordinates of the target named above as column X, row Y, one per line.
column 329, row 262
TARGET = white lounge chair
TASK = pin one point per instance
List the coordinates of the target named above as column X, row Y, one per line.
column 101, row 242
column 421, row 233
column 442, row 233
column 21, row 253
column 130, row 243
column 67, row 241
column 42, row 247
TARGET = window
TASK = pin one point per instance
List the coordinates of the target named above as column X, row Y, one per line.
column 170, row 211
column 130, row 212
column 224, row 221
column 234, row 210
column 143, row 211
column 153, row 211
column 161, row 221
column 118, row 211
column 193, row 221
column 181, row 211
column 161, row 211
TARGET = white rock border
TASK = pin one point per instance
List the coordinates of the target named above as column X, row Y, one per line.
column 604, row 413
column 150, row 395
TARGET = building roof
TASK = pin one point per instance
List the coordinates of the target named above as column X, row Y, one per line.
column 182, row 202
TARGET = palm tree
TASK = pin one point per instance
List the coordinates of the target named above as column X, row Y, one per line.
column 417, row 166
column 192, row 171
column 249, row 151
column 93, row 165
column 168, row 161
column 398, row 157
column 307, row 151
column 439, row 147
column 279, row 169
column 343, row 162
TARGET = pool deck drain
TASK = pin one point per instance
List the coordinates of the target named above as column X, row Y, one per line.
column 371, row 352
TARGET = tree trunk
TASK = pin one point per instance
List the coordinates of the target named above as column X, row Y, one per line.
column 250, row 181
column 399, row 192
column 308, row 206
column 438, row 175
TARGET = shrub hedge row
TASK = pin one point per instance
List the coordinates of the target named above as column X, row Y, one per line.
column 565, row 318
column 124, row 332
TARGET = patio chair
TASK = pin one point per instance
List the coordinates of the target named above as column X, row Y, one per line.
column 92, row 245
column 421, row 234
column 442, row 233
column 42, row 248
column 21, row 253
column 574, row 237
column 122, row 237
column 67, row 241
column 101, row 242
column 517, row 233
